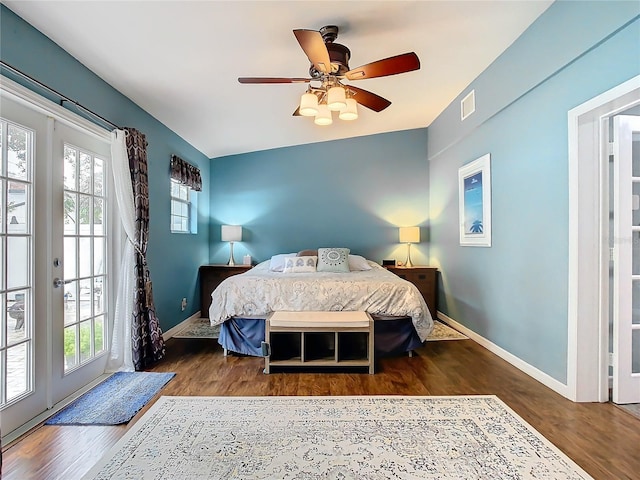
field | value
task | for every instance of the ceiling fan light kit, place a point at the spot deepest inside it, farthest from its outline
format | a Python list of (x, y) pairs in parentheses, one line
[(324, 116), (350, 112), (329, 66), (308, 105)]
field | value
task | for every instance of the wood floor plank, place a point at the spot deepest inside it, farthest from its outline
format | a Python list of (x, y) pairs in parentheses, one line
[(602, 438)]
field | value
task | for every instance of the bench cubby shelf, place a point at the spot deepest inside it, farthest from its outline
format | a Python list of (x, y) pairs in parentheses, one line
[(323, 339)]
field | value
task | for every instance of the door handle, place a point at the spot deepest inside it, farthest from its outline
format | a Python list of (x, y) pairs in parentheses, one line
[(58, 282)]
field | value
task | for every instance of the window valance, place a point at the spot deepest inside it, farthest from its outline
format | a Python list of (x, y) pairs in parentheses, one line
[(185, 173)]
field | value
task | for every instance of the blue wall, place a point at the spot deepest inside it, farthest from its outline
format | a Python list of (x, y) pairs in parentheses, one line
[(352, 193), (515, 293), (173, 258)]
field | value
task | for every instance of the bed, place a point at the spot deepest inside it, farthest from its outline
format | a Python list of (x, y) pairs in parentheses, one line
[(242, 302)]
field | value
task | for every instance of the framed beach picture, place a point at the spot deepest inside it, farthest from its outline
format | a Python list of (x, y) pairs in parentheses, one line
[(474, 190)]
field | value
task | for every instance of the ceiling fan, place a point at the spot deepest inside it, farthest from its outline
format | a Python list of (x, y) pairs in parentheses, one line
[(330, 67)]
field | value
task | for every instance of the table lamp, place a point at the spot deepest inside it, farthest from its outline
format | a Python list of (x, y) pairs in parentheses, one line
[(231, 233), (409, 235)]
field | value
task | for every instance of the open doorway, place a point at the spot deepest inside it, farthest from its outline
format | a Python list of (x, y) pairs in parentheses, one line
[(589, 241)]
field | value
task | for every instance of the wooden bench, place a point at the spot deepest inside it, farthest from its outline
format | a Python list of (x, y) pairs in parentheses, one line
[(319, 339)]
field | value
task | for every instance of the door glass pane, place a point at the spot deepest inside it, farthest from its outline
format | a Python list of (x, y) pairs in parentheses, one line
[(2, 202), (86, 334), (18, 207), (635, 253), (635, 302), (70, 258), (97, 216), (98, 344), (18, 303), (2, 262), (18, 261), (84, 215), (98, 176), (70, 302), (70, 213), (18, 152), (98, 255), (17, 375), (70, 349), (70, 161), (635, 149), (85, 296), (85, 180), (635, 204), (98, 298), (84, 256)]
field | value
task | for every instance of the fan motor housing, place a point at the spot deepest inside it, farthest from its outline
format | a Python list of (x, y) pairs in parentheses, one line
[(339, 56)]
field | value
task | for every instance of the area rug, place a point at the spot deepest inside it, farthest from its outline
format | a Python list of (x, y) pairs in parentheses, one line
[(114, 401), (201, 328), (442, 331), (366, 437)]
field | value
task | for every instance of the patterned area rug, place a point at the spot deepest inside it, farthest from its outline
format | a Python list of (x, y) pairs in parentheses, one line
[(377, 437), (200, 328), (114, 401)]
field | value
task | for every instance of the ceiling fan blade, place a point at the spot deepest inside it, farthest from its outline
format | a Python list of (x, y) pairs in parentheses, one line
[(272, 80), (315, 48), (406, 62), (368, 99)]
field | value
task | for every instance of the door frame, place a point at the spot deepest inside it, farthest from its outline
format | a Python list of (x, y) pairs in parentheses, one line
[(36, 102), (588, 302)]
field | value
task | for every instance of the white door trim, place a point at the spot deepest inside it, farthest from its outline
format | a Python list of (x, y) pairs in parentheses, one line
[(39, 103), (588, 334)]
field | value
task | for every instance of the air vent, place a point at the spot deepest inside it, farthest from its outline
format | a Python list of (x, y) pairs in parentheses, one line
[(468, 105)]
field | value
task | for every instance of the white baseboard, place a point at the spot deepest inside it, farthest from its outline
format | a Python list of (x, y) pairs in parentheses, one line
[(173, 330), (520, 364)]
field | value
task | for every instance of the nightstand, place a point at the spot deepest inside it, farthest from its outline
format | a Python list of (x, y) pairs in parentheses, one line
[(424, 278), (210, 277)]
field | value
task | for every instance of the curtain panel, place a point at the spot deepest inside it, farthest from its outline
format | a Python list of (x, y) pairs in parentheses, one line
[(185, 173), (120, 355), (146, 335)]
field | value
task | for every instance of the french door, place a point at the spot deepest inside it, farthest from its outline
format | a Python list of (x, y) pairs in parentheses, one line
[(55, 267), (626, 261)]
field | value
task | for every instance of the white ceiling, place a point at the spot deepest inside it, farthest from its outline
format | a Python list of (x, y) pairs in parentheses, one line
[(180, 60)]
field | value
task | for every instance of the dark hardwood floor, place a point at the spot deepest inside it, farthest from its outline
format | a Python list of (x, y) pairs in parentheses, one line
[(602, 438)]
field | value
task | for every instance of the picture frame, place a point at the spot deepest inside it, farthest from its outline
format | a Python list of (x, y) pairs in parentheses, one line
[(474, 196)]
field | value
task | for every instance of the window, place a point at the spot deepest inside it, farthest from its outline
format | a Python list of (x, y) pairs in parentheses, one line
[(180, 206)]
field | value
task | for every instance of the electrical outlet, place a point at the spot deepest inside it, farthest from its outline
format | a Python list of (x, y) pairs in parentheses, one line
[(611, 359), (184, 304)]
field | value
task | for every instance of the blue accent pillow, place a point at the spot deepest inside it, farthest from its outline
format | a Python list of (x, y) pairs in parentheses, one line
[(333, 260)]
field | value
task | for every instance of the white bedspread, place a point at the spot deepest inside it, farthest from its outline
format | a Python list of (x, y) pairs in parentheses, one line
[(259, 291)]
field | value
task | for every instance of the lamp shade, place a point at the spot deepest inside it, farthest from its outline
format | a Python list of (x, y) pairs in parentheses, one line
[(308, 105), (409, 234), (324, 115), (231, 233), (350, 112), (336, 98)]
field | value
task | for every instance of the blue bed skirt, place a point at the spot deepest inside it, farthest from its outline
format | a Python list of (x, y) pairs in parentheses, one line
[(392, 336)]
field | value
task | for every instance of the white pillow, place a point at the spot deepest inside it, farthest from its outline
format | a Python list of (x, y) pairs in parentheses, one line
[(358, 263), (300, 264), (277, 261)]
